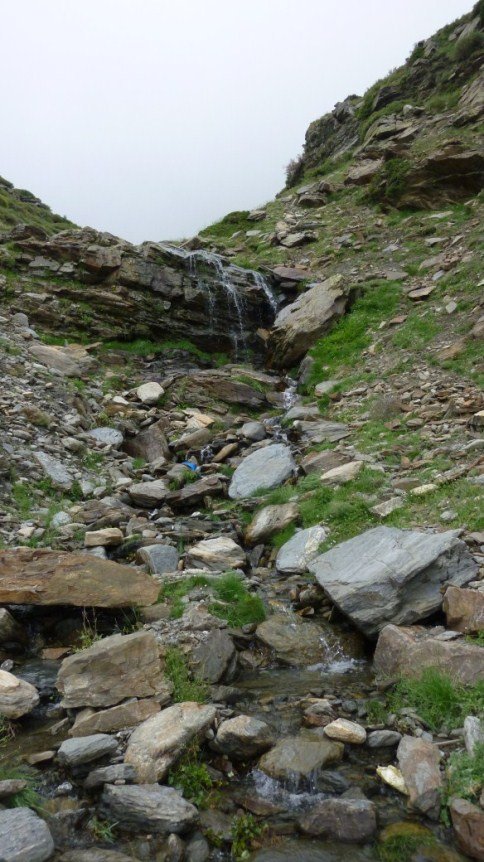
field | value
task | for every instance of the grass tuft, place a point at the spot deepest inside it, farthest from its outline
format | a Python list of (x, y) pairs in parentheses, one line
[(438, 700)]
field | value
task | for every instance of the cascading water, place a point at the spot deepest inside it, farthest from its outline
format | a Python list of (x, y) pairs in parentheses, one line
[(227, 277)]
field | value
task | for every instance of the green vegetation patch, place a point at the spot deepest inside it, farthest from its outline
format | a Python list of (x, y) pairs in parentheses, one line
[(438, 700), (465, 775), (231, 599), (185, 685), (191, 777), (227, 226)]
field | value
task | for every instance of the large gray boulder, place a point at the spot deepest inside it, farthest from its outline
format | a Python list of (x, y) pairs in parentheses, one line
[(24, 837), (299, 325), (386, 575), (84, 749), (265, 469), (148, 808)]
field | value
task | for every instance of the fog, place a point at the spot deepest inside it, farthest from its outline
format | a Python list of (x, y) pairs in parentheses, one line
[(152, 119)]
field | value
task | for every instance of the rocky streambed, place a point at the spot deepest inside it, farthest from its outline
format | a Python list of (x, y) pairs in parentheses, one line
[(174, 685)]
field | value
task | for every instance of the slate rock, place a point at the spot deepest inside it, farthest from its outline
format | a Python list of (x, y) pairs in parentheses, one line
[(84, 749), (148, 808), (24, 837), (265, 468), (295, 554)]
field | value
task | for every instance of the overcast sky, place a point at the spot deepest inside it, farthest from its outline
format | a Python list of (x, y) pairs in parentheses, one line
[(153, 118)]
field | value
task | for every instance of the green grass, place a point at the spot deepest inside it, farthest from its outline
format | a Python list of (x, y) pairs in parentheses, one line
[(228, 225), (341, 349), (22, 498), (28, 797), (438, 700), (185, 686), (102, 830), (279, 539), (416, 332), (231, 600), (191, 777), (245, 830), (465, 775), (402, 848), (144, 347)]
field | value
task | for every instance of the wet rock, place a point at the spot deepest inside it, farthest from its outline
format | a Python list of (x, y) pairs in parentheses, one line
[(215, 658), (149, 494), (297, 757), (295, 641), (407, 651), (348, 820), (464, 610), (419, 764), (296, 554), (17, 697), (84, 749), (148, 808), (217, 554), (157, 743), (112, 774), (10, 630), (391, 575), (243, 737), (393, 777), (346, 731), (468, 823), (270, 520), (42, 577), (300, 324), (266, 468), (160, 559), (113, 669), (24, 837), (127, 714), (383, 738)]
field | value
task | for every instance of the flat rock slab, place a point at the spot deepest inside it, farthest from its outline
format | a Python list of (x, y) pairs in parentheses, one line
[(407, 650), (96, 854), (112, 670), (148, 808), (296, 554), (127, 714), (36, 576), (295, 641), (84, 749), (148, 494), (24, 837), (215, 659), (160, 559), (265, 469), (386, 575), (297, 757), (157, 743)]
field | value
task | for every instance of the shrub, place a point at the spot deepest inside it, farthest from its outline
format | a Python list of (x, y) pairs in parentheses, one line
[(469, 45), (294, 171)]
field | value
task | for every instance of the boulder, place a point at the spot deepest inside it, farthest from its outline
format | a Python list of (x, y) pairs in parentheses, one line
[(270, 520), (113, 669), (254, 431), (160, 559), (346, 731), (127, 714), (150, 444), (106, 436), (297, 757), (84, 749), (468, 823), (149, 494), (296, 554), (157, 743), (299, 325), (148, 808), (464, 610), (264, 469), (103, 538), (115, 773), (217, 554), (419, 761), (317, 431), (17, 697), (24, 837), (55, 471), (215, 658), (195, 492), (473, 733), (243, 737), (341, 474), (386, 575), (37, 576), (321, 462), (408, 650), (295, 641), (149, 393), (70, 360), (348, 820)]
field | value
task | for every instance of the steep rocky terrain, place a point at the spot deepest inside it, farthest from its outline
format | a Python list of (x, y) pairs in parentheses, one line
[(241, 535)]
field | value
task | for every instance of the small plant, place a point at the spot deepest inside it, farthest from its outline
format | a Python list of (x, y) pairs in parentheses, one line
[(138, 463), (438, 700), (402, 848), (28, 797), (465, 776), (245, 830), (89, 634), (191, 777), (92, 460), (376, 711), (185, 686), (102, 830)]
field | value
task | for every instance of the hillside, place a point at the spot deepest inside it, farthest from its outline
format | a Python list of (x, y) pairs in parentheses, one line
[(241, 530)]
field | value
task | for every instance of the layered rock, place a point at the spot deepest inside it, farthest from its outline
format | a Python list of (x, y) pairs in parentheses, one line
[(265, 468), (148, 807), (409, 650)]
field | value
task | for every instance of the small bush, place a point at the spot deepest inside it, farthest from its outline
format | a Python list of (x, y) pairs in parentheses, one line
[(294, 171), (465, 775), (191, 777), (438, 700), (469, 45), (185, 687), (245, 829)]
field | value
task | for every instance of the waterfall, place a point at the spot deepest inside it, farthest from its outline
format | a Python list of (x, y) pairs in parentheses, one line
[(228, 277)]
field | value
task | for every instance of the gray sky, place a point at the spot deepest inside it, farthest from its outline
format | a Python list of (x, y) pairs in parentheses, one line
[(153, 118)]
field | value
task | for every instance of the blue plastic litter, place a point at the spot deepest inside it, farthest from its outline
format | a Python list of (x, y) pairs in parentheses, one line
[(191, 466)]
